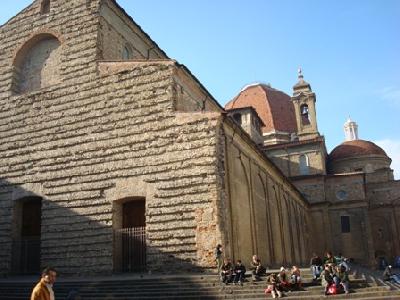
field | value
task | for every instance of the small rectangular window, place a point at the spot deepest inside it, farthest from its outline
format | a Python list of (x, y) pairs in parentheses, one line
[(345, 222), (45, 7)]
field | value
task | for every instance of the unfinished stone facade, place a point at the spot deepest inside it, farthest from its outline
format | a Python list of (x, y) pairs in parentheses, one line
[(94, 116)]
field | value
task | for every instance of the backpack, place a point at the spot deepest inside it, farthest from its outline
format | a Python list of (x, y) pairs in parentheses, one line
[(332, 290)]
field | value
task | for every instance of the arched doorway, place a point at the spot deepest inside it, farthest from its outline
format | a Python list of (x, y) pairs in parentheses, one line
[(26, 236), (130, 235)]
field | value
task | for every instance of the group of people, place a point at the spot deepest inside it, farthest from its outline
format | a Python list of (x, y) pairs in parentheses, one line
[(277, 283), (332, 270)]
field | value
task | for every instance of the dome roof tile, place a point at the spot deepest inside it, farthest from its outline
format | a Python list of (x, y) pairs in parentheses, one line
[(356, 148)]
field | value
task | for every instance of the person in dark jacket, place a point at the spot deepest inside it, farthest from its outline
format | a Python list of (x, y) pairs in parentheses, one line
[(226, 271), (257, 268), (239, 272), (329, 259), (316, 266)]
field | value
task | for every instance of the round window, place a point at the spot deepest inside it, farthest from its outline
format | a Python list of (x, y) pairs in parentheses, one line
[(341, 195)]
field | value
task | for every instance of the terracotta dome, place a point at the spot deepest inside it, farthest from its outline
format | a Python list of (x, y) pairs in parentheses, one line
[(274, 107), (356, 148)]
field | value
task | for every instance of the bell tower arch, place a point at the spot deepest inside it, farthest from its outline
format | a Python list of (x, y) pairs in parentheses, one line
[(304, 104)]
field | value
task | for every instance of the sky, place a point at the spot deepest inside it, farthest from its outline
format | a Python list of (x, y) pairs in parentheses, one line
[(349, 51)]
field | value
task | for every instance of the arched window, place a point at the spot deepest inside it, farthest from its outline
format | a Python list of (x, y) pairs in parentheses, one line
[(37, 64), (127, 53), (305, 115), (45, 7), (304, 165)]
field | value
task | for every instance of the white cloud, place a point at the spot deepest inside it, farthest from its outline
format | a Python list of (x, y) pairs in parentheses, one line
[(392, 149), (391, 94)]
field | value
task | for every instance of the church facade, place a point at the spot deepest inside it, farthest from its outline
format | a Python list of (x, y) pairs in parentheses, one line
[(117, 159)]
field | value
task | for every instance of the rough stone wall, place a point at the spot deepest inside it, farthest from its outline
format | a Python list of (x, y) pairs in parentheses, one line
[(71, 21), (382, 175), (288, 159), (341, 189), (117, 31), (113, 43), (384, 201), (367, 164), (312, 188), (75, 142), (266, 215), (356, 243), (387, 193), (191, 96)]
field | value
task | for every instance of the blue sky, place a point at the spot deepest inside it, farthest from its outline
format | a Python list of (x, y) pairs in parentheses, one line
[(349, 52)]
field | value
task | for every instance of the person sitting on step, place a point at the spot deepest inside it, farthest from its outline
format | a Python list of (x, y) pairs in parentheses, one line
[(295, 277), (239, 271), (257, 269), (226, 271), (273, 286), (316, 266), (326, 278), (329, 259), (344, 279), (283, 279), (335, 275)]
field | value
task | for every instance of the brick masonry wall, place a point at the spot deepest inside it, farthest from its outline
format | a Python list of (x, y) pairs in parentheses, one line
[(71, 144)]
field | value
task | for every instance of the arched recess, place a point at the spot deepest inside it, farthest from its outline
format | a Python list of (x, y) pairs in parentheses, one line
[(242, 240), (127, 52), (277, 236), (37, 63), (262, 218)]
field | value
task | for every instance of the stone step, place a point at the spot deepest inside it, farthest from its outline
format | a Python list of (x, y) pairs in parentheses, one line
[(158, 287), (376, 291), (189, 288)]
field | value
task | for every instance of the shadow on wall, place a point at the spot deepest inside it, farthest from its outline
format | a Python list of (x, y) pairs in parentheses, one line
[(294, 169), (78, 237)]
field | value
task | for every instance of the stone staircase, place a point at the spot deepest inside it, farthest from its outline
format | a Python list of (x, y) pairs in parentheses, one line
[(364, 285)]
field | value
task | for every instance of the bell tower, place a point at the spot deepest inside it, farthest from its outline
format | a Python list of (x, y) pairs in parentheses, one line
[(304, 104)]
